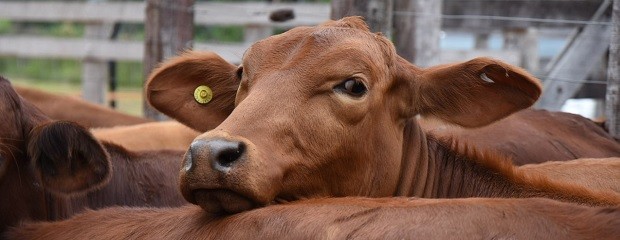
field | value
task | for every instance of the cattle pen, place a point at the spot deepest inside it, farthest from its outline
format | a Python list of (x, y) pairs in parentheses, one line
[(514, 31), (309, 119)]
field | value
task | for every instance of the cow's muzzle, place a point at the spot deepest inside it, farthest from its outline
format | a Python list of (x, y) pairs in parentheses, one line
[(217, 176), (221, 154)]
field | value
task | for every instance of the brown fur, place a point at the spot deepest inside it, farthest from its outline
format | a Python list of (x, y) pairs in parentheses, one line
[(76, 110), (43, 160), (220, 84), (345, 218), (170, 135), (518, 182), (533, 136), (581, 172), (56, 164), (295, 134)]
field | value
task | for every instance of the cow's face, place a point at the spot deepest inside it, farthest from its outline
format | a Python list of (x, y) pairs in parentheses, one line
[(37, 154), (319, 111)]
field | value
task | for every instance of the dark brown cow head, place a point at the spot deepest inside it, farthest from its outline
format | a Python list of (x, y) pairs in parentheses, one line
[(319, 111), (38, 155)]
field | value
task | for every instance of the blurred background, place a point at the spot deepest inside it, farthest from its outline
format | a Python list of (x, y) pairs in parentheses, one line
[(101, 50)]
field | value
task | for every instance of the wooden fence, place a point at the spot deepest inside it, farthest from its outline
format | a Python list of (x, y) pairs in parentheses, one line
[(254, 17)]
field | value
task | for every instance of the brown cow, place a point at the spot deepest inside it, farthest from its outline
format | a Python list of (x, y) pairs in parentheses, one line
[(601, 174), (533, 136), (76, 110), (329, 111), (41, 160), (345, 218), (149, 136)]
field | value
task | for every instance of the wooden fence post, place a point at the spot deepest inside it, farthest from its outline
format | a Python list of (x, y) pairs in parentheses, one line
[(417, 30), (169, 29), (95, 73), (524, 40), (252, 34), (569, 72), (377, 13), (613, 76), (481, 41)]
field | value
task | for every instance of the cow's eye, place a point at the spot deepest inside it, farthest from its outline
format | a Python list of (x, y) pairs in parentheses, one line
[(352, 87), (239, 72)]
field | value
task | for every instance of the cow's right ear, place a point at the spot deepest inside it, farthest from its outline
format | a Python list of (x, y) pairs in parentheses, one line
[(196, 88), (67, 158)]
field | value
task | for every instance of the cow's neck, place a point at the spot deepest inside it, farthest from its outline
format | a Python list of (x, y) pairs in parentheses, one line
[(432, 169)]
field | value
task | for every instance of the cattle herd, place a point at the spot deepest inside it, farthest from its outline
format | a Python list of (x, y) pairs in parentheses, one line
[(321, 132)]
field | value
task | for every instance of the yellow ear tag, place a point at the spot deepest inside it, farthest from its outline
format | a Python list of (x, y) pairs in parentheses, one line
[(203, 94)]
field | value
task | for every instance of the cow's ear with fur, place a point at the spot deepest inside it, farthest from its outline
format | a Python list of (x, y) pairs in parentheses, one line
[(171, 89), (67, 158), (473, 93), (3, 165)]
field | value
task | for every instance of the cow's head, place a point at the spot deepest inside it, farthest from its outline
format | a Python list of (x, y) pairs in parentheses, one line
[(318, 111), (38, 154)]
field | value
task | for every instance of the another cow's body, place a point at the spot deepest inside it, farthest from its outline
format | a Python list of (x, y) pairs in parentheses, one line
[(329, 111), (149, 136), (76, 110), (601, 174), (533, 136), (42, 161), (346, 218), (139, 178)]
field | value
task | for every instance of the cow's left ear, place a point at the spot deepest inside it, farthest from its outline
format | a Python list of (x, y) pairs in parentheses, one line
[(473, 93), (196, 88), (67, 158), (3, 164)]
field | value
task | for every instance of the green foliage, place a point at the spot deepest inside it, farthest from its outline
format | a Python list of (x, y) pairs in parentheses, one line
[(66, 29), (41, 69), (62, 29), (218, 33), (129, 74), (131, 31), (5, 26)]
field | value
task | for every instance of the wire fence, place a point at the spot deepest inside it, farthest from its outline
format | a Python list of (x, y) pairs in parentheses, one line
[(503, 18), (542, 22)]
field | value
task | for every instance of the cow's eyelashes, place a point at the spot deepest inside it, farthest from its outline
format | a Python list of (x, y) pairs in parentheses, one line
[(239, 72), (352, 86)]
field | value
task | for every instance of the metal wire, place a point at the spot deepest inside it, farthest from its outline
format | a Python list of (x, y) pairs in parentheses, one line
[(503, 18)]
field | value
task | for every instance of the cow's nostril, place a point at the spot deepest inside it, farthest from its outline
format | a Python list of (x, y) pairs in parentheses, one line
[(230, 154), (224, 153), (219, 153)]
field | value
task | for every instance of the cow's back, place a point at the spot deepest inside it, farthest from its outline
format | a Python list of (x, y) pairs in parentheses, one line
[(534, 136), (601, 174), (345, 218), (149, 136), (76, 110)]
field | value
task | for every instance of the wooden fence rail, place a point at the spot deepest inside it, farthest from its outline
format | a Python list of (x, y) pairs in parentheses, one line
[(256, 13), (471, 16), (101, 49)]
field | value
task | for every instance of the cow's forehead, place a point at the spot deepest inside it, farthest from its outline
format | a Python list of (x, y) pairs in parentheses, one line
[(308, 47)]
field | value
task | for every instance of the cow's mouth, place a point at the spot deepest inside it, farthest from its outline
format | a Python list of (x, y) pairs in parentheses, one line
[(223, 201)]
